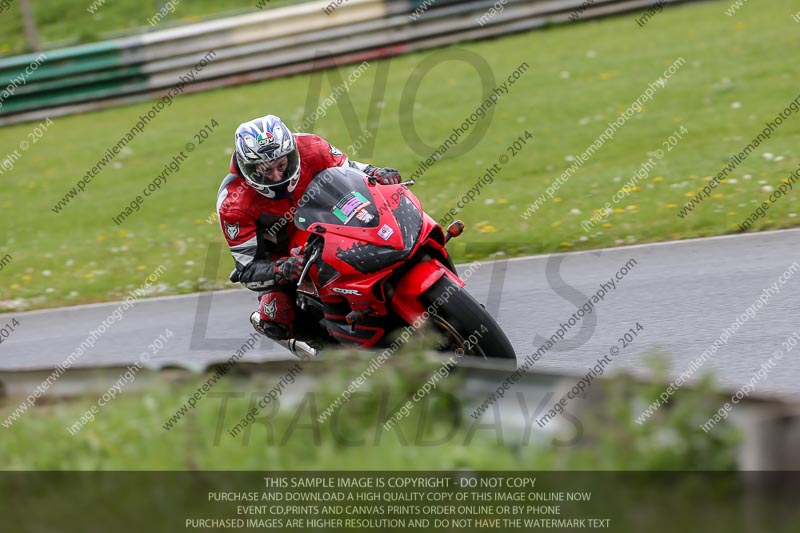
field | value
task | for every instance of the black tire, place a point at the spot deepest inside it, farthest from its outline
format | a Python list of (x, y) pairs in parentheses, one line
[(459, 316)]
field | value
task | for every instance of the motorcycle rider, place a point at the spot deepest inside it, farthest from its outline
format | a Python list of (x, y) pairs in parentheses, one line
[(270, 170)]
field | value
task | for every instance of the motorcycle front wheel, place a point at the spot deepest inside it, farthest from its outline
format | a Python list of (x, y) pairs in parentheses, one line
[(465, 324)]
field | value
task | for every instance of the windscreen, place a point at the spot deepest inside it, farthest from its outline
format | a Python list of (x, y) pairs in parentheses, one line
[(337, 196)]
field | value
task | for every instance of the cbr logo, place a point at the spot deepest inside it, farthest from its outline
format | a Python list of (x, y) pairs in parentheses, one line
[(232, 230), (346, 291)]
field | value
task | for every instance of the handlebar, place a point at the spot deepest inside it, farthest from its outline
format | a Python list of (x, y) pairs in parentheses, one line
[(374, 181)]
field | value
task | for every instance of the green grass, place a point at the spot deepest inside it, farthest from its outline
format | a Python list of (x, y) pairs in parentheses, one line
[(128, 434), (64, 22), (737, 76)]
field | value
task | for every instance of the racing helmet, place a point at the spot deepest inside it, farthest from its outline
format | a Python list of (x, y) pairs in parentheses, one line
[(259, 144)]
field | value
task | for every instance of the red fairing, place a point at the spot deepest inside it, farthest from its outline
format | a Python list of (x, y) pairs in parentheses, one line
[(387, 198), (405, 301), (363, 292)]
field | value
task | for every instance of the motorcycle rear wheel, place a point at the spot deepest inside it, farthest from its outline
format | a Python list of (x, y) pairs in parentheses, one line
[(459, 317)]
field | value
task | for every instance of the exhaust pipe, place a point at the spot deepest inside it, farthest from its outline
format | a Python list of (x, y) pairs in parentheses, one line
[(300, 349)]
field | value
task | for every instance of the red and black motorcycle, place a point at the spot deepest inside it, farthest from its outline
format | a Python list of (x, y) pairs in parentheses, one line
[(375, 263)]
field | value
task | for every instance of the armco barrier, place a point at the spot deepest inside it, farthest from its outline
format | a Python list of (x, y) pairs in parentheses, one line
[(262, 45)]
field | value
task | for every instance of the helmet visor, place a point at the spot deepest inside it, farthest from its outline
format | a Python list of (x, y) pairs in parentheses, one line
[(269, 174)]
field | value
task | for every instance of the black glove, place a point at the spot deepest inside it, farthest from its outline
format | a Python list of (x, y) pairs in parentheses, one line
[(385, 176), (288, 270)]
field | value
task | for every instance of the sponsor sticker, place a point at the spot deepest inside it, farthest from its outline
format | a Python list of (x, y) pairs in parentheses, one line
[(349, 206), (385, 232), (364, 216)]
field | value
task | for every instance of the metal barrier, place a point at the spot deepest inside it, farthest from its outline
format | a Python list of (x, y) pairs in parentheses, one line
[(263, 45)]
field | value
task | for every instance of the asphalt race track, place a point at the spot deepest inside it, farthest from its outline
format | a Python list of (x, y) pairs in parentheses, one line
[(682, 293)]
